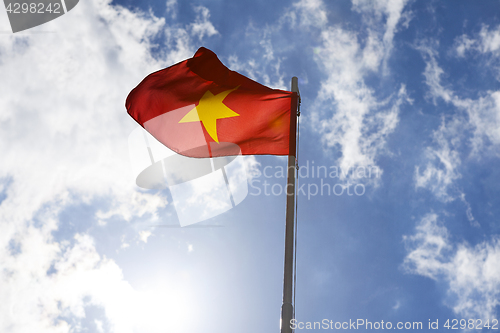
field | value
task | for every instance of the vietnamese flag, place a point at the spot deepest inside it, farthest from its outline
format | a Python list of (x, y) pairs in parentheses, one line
[(200, 108)]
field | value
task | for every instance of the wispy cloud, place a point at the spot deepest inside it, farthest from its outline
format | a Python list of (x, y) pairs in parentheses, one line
[(202, 25), (473, 131), (471, 273), (486, 41), (390, 11), (352, 116), (307, 14), (443, 162)]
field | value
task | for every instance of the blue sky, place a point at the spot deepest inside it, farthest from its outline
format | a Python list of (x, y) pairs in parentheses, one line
[(408, 88)]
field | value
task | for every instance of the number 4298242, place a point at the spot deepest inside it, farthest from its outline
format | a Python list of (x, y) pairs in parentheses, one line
[(477, 324), (33, 8)]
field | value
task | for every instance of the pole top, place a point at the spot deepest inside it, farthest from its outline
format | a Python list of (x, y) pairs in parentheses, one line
[(295, 84)]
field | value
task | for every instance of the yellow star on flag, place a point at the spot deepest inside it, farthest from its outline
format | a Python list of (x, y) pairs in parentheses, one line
[(209, 109)]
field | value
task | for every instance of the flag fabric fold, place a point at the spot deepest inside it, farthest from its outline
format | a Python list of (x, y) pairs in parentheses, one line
[(200, 108)]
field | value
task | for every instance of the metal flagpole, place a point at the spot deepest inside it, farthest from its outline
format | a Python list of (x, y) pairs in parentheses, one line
[(287, 311)]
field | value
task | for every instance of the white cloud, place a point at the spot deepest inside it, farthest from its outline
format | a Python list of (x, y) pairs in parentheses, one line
[(484, 118), (172, 8), (259, 70), (137, 205), (99, 326), (433, 74), (144, 235), (443, 162), (471, 273), (480, 117), (468, 212), (302, 15), (266, 68), (361, 122), (202, 24), (308, 13), (463, 44), (486, 41), (428, 248), (390, 10), (490, 40), (63, 140)]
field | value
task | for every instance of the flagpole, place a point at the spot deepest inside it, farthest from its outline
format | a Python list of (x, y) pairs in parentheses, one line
[(287, 311)]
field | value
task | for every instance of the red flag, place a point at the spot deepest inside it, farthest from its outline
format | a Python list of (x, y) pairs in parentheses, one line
[(200, 108)]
